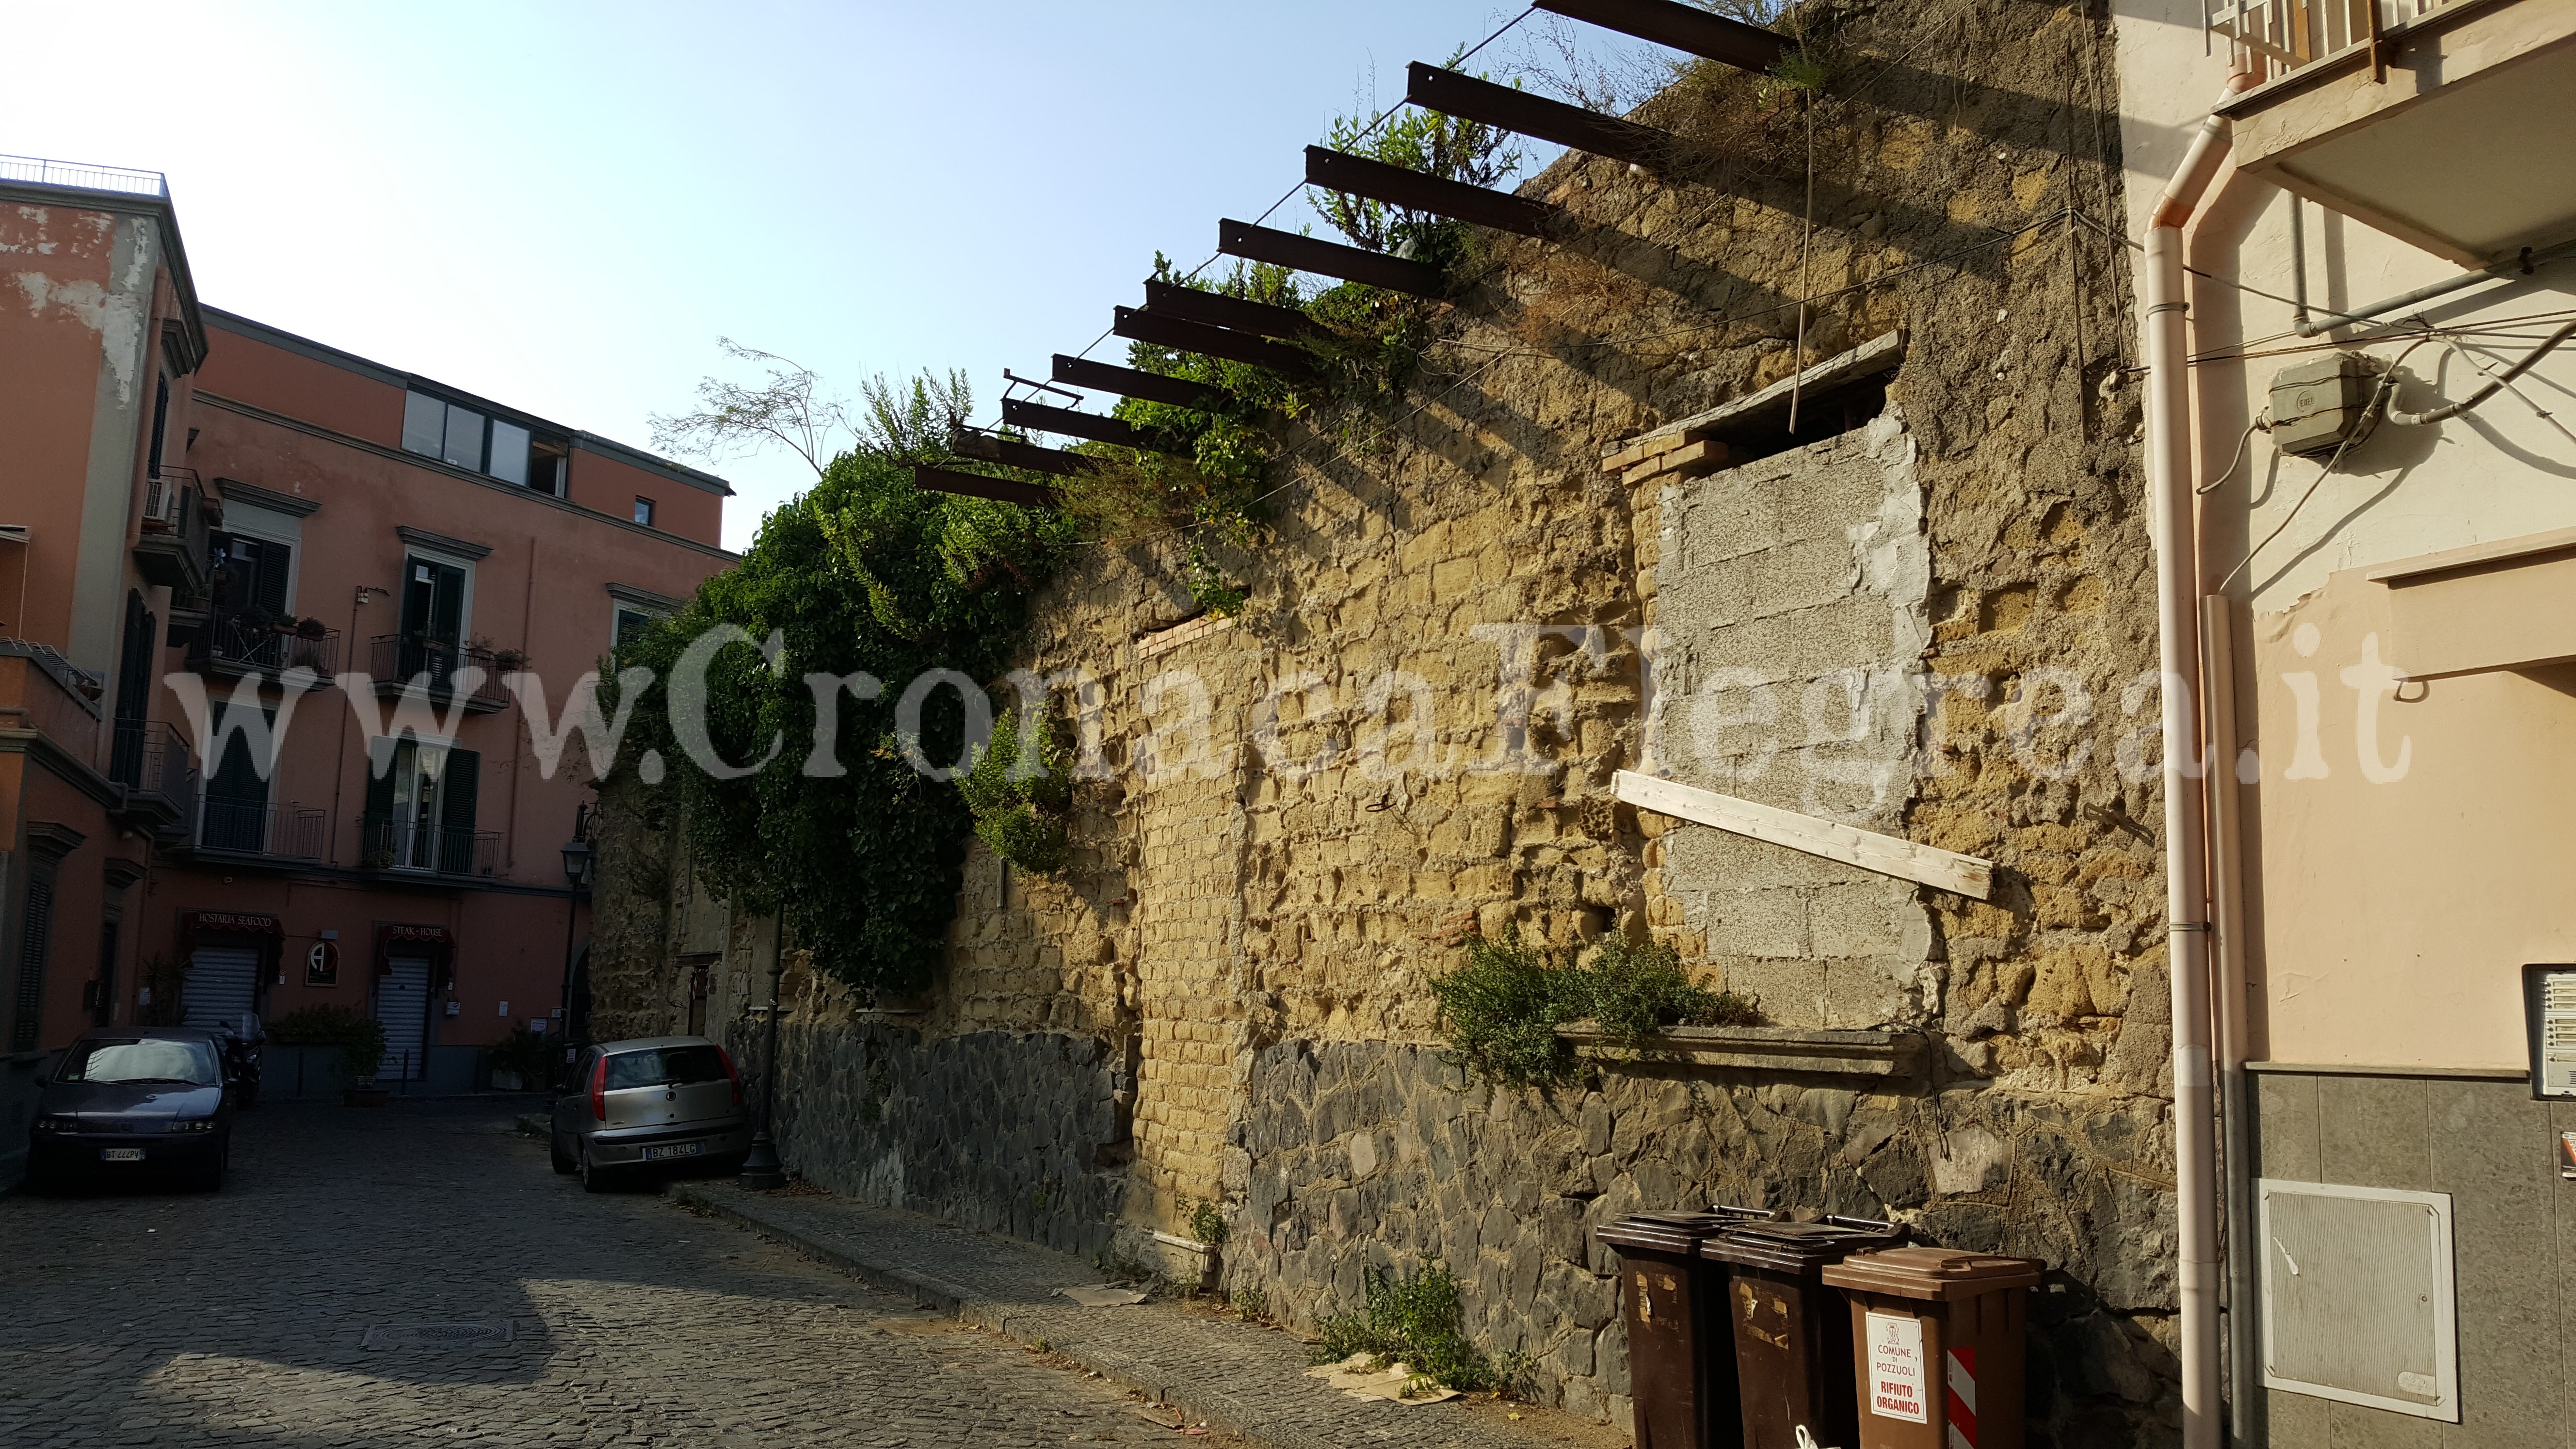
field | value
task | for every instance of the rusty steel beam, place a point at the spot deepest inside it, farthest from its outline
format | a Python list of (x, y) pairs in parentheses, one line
[(1012, 453), (976, 485), (1198, 337), (1394, 185), (1215, 309), (1683, 27), (1180, 392), (1453, 94), (1328, 259), (1047, 419)]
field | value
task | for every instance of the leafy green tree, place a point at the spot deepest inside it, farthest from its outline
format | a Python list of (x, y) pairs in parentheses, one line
[(866, 584)]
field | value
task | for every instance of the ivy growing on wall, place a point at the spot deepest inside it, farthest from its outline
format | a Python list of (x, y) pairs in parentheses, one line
[(867, 580)]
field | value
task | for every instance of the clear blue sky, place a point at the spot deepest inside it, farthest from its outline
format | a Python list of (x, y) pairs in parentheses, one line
[(561, 206)]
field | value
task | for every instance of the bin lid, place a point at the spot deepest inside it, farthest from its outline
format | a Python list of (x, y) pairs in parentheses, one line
[(1939, 1274), (1800, 1247), (1673, 1232)]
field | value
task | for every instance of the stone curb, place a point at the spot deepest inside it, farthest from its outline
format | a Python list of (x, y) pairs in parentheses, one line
[(1184, 1388)]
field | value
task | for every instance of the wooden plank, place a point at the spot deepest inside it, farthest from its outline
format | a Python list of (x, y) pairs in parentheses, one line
[(1879, 354), (1329, 259), (1690, 460), (976, 485), (1683, 27), (1012, 453), (1885, 854), (1198, 337), (1396, 186), (1451, 93), (1179, 392), (1216, 309), (1759, 1048)]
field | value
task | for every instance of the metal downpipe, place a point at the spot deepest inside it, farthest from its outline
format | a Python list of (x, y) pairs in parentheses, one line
[(2178, 588)]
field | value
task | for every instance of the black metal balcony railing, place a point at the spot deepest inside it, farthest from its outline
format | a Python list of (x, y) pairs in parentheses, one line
[(231, 643), (396, 661), (150, 759), (249, 827), (386, 844), (45, 172)]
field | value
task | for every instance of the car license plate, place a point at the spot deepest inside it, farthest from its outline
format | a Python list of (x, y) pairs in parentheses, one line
[(120, 1154), (676, 1149)]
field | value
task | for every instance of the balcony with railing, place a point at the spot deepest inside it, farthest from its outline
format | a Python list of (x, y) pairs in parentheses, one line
[(233, 643), (172, 548), (401, 846), (150, 758), (286, 833), (2441, 122), (397, 662)]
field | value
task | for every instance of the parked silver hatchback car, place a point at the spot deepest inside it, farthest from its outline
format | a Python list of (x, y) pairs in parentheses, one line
[(650, 1102)]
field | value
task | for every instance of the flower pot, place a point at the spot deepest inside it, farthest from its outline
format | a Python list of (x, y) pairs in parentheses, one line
[(505, 1080), (368, 1095)]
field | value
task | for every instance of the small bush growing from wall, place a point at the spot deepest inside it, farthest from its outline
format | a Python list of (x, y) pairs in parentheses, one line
[(1019, 788), (1502, 1009)]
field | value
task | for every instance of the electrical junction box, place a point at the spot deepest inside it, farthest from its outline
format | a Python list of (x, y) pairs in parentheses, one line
[(2549, 1029), (2318, 406), (2358, 1296)]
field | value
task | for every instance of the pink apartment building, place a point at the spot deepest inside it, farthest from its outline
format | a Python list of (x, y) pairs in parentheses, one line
[(191, 498)]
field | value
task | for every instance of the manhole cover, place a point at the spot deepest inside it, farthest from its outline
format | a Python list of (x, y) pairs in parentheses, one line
[(436, 1335)]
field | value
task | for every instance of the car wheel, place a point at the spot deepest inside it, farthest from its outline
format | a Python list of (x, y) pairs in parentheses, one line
[(594, 1178), (565, 1162), (212, 1180)]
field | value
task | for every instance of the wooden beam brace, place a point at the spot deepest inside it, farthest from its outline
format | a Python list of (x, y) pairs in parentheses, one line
[(1683, 27), (1396, 186), (1453, 94), (1328, 259), (1215, 309), (976, 485), (1012, 453), (1209, 341), (1886, 854), (1045, 419), (1180, 392)]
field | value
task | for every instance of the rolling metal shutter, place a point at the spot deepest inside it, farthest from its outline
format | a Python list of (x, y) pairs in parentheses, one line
[(222, 986)]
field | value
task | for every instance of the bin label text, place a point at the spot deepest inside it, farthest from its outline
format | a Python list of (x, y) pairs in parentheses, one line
[(1896, 1368)]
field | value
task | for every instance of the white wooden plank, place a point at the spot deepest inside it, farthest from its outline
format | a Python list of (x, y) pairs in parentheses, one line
[(1885, 854)]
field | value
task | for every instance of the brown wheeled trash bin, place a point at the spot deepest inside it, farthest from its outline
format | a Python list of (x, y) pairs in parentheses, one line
[(1937, 1344), (1792, 1344), (1680, 1375)]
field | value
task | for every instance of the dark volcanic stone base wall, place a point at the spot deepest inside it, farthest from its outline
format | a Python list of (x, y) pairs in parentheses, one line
[(1357, 1154), (993, 1130)]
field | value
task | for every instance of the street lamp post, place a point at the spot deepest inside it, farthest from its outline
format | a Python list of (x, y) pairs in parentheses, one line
[(576, 865), (761, 1169)]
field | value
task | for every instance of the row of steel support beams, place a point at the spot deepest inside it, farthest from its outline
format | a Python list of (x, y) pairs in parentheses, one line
[(1216, 309), (1042, 418), (1181, 335), (1012, 453)]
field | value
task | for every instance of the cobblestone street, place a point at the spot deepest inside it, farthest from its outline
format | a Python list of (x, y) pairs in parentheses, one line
[(149, 1317)]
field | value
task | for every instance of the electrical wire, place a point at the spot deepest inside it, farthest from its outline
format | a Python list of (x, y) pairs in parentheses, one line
[(2387, 379), (2215, 484)]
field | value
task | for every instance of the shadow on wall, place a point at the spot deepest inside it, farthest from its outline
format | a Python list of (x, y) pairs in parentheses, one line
[(1359, 1154), (999, 1131)]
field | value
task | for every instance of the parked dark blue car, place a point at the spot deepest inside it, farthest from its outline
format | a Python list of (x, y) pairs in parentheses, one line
[(135, 1104)]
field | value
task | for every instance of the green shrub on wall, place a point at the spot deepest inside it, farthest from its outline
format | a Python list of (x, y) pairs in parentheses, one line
[(1501, 1010), (1019, 790)]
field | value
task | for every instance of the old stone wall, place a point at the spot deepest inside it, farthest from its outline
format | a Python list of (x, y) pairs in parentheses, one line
[(1926, 613)]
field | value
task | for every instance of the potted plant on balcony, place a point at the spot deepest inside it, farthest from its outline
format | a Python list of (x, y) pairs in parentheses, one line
[(509, 661)]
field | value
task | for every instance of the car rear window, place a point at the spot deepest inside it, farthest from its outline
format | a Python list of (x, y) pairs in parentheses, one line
[(655, 1066), (172, 1062)]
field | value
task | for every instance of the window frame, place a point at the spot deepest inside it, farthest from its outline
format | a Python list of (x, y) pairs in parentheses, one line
[(645, 508)]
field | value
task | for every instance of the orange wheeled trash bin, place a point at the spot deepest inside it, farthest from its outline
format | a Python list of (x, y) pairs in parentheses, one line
[(1937, 1346)]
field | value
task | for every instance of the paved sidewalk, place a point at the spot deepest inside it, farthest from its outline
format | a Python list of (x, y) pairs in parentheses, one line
[(1227, 1373)]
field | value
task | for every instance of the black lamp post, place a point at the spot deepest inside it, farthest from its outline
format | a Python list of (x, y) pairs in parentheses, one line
[(576, 864), (761, 1169)]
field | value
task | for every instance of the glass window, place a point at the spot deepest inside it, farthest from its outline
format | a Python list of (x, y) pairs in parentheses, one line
[(644, 511), (187, 1062), (424, 423), (509, 453), (464, 438), (658, 1066)]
